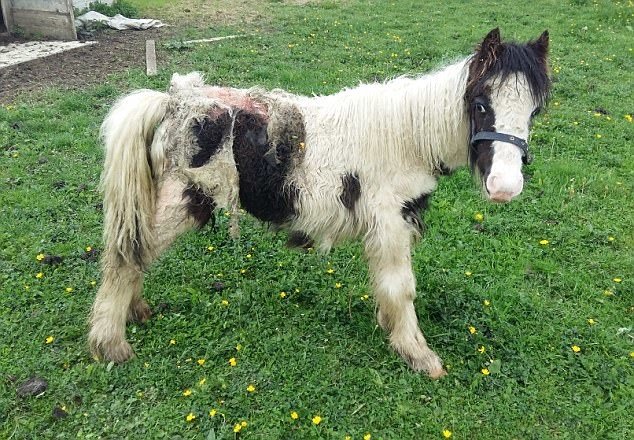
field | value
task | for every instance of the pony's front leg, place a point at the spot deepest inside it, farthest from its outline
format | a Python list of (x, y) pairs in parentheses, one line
[(388, 253)]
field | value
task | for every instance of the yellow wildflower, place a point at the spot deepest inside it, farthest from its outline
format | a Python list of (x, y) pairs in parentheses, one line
[(187, 392), (249, 256), (591, 321), (478, 216), (610, 238), (576, 348), (190, 417), (210, 248), (330, 270), (69, 289), (93, 283), (172, 341), (608, 293), (544, 242), (628, 118), (49, 339), (88, 248), (447, 433), (472, 330), (632, 354), (251, 388), (367, 436), (482, 349), (202, 381), (338, 285), (40, 257), (224, 302), (365, 297), (485, 371), (486, 302), (294, 415), (212, 412), (316, 420), (243, 423), (238, 347), (237, 428), (201, 362), (617, 280), (282, 295), (233, 362), (243, 271), (39, 275), (468, 273)]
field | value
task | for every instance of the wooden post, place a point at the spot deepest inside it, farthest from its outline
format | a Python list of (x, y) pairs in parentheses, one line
[(150, 57)]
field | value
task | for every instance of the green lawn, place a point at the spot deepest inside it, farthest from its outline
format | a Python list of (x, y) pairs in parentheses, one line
[(549, 272)]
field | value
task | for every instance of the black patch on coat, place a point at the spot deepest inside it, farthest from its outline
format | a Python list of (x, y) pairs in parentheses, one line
[(481, 153), (209, 135), (200, 206), (442, 170), (298, 239), (263, 170), (412, 211), (351, 190)]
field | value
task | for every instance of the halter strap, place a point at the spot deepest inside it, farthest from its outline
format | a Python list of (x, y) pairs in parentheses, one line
[(527, 158)]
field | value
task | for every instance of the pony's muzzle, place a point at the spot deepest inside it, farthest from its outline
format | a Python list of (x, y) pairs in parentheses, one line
[(502, 189)]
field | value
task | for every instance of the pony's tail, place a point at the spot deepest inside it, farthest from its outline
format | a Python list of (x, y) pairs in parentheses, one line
[(129, 176)]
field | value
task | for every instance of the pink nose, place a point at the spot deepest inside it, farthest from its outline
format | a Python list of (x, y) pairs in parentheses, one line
[(501, 197)]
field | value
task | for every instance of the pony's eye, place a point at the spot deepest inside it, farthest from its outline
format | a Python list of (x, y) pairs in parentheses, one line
[(480, 108)]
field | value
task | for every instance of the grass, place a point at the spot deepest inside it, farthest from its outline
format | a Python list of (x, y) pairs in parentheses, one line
[(317, 351)]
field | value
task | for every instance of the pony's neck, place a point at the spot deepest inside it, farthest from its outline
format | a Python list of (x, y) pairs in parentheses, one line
[(419, 120)]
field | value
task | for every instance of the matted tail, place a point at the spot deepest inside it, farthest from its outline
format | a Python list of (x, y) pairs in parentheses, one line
[(127, 182)]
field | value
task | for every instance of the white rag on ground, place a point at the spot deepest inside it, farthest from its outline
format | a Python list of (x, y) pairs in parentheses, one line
[(118, 22)]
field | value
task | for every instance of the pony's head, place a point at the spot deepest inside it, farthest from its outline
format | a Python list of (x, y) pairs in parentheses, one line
[(508, 85)]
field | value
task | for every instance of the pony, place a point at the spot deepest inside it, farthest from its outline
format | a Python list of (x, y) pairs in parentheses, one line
[(361, 163)]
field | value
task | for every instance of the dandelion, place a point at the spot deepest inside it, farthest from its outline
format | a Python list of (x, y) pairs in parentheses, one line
[(237, 428), (482, 349), (316, 420), (576, 348), (213, 412), (233, 362), (544, 242), (294, 415), (200, 362), (472, 330), (282, 295), (40, 257), (367, 436), (338, 285), (447, 433), (251, 388), (486, 303), (190, 417), (485, 371), (591, 321), (49, 339), (39, 275), (187, 392), (69, 289), (617, 280), (478, 216), (172, 341)]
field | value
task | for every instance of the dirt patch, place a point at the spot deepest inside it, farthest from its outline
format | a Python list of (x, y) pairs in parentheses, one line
[(77, 68)]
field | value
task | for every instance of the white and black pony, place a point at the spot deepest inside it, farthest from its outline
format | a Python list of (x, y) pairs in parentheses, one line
[(359, 163)]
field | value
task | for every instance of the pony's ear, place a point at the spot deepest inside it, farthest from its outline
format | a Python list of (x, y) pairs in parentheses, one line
[(540, 46), (490, 45)]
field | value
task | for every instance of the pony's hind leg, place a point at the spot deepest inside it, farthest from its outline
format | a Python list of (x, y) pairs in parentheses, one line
[(179, 208), (388, 252)]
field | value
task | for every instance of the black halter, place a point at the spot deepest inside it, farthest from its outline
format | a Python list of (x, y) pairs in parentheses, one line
[(527, 158)]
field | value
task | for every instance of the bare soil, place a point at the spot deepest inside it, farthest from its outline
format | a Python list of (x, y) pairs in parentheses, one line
[(77, 68)]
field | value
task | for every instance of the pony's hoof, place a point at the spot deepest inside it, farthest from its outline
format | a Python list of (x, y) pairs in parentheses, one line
[(420, 357), (117, 352), (139, 311)]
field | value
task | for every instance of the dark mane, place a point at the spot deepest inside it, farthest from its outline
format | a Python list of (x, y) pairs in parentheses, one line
[(508, 59)]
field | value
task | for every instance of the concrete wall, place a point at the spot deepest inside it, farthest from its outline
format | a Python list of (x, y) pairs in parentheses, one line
[(40, 18)]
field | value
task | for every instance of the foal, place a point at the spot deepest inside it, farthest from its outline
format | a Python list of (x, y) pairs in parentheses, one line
[(360, 163)]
